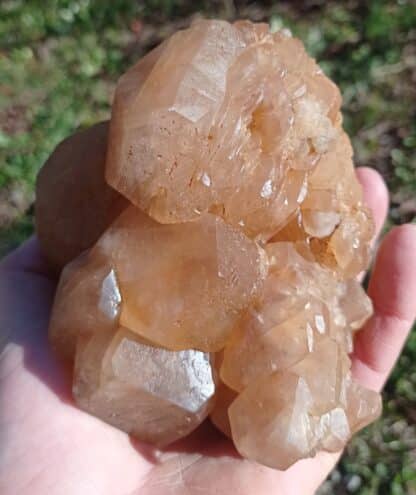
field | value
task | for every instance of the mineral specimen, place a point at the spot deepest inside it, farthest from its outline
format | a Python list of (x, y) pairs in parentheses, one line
[(289, 415), (302, 304), (155, 394), (74, 204), (218, 277), (181, 286), (244, 116)]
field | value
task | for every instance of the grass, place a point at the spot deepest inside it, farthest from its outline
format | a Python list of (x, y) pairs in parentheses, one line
[(60, 59)]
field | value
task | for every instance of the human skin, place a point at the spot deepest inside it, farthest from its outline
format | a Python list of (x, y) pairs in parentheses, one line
[(49, 446)]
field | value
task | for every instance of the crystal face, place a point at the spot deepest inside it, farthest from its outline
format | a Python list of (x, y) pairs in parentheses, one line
[(74, 204), (155, 394), (302, 304), (211, 244), (245, 115)]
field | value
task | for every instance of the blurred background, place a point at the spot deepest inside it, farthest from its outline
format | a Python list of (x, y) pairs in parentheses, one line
[(60, 60)]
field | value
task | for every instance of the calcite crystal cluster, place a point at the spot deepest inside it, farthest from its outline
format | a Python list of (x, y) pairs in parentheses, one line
[(211, 239)]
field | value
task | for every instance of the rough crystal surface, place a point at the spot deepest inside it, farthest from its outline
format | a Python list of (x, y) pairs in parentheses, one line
[(155, 394), (302, 304), (245, 115), (294, 413), (223, 230)]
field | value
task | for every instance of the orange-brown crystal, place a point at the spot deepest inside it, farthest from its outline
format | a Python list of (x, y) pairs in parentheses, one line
[(74, 204), (155, 394), (223, 230)]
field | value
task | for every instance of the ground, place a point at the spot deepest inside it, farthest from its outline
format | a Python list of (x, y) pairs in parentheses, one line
[(60, 59)]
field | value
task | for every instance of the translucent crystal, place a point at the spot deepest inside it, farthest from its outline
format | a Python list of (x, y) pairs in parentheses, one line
[(219, 275), (183, 285), (245, 115), (224, 397), (311, 406), (155, 394), (180, 286), (302, 303), (87, 301)]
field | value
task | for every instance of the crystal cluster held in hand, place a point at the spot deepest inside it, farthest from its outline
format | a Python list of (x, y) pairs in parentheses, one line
[(210, 238)]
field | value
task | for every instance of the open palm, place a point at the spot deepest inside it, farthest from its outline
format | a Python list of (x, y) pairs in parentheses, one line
[(48, 446)]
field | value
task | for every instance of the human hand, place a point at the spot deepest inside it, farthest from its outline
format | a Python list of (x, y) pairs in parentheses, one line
[(49, 446)]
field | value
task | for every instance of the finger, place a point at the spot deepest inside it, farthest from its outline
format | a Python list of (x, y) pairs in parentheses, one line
[(375, 194), (393, 292), (26, 295), (27, 258), (26, 291), (376, 198)]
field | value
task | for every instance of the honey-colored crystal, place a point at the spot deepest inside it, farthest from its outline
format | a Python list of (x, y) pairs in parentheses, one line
[(183, 285), (74, 204), (180, 286), (87, 301), (292, 414), (155, 394), (219, 275), (224, 397), (244, 116), (302, 304)]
